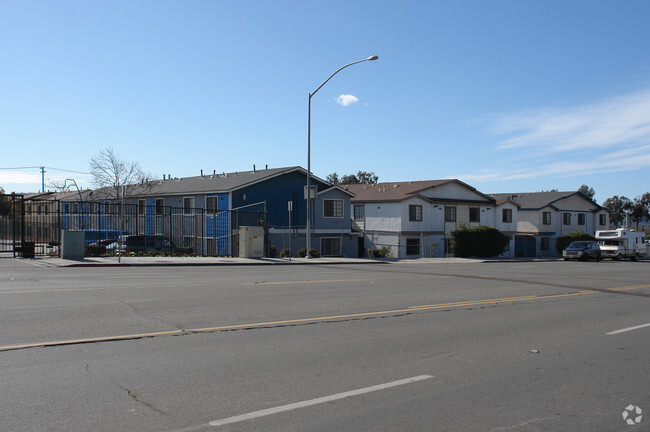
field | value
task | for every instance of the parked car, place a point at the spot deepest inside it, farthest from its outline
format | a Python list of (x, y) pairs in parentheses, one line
[(153, 244), (582, 250), (102, 247)]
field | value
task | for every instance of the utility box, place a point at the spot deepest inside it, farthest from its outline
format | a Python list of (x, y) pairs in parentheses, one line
[(73, 244), (251, 242)]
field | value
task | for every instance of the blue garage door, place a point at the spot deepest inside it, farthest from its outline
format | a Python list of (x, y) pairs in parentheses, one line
[(525, 246)]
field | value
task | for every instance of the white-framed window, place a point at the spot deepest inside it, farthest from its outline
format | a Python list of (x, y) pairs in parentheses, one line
[(211, 205), (566, 218), (546, 218), (507, 216), (412, 246), (333, 208), (474, 214), (581, 219), (160, 206), (188, 205), (359, 212), (415, 213), (602, 219), (330, 246), (142, 205), (450, 214)]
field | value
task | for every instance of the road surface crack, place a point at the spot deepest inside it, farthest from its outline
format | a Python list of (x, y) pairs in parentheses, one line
[(128, 391)]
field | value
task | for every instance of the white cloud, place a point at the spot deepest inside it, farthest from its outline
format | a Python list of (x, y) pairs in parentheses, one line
[(347, 100), (606, 137), (610, 123)]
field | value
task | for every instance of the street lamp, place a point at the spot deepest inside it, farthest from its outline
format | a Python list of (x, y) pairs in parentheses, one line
[(308, 227)]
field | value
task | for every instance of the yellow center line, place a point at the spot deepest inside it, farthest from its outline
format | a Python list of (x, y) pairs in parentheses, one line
[(329, 281), (410, 309)]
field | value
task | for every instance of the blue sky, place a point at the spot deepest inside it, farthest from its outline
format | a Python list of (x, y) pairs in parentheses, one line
[(508, 96)]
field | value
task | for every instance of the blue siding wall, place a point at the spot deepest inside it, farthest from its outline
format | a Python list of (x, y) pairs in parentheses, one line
[(278, 192), (217, 225)]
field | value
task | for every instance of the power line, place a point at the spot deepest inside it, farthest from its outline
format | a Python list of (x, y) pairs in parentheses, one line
[(48, 167)]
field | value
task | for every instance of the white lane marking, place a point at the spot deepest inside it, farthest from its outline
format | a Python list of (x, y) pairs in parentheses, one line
[(321, 400), (628, 329)]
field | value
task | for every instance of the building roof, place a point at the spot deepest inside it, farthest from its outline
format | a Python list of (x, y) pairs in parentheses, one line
[(399, 191), (210, 183), (215, 183), (539, 200)]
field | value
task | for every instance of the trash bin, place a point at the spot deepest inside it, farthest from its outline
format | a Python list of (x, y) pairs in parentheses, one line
[(28, 249)]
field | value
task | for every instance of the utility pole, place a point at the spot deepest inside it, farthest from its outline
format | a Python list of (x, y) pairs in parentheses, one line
[(43, 179)]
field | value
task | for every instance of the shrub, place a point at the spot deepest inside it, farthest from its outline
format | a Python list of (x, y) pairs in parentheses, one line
[(285, 253), (303, 253), (479, 242), (564, 241), (382, 252), (273, 251)]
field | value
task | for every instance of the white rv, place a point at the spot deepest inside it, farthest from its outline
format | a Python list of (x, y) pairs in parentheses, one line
[(621, 243)]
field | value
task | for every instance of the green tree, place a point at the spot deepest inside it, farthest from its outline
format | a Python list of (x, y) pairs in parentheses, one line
[(564, 241), (5, 204), (619, 208), (640, 209), (481, 241), (333, 178), (587, 191), (361, 177)]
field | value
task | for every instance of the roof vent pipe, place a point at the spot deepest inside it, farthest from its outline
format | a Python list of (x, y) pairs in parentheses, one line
[(201, 173), (163, 176), (253, 167)]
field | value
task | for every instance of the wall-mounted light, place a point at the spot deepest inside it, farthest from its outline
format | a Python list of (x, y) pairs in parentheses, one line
[(243, 197)]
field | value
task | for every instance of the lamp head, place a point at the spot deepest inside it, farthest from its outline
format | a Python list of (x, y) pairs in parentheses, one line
[(372, 57)]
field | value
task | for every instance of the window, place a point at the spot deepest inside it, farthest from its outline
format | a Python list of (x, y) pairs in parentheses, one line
[(544, 243), (188, 205), (211, 204), (413, 246), (602, 219), (507, 216), (160, 203), (359, 212), (330, 246), (581, 218), (142, 205), (333, 208), (474, 214), (566, 218), (450, 214), (415, 213), (546, 218)]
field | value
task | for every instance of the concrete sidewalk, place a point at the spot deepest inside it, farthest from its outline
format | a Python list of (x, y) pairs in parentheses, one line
[(189, 261), (232, 261)]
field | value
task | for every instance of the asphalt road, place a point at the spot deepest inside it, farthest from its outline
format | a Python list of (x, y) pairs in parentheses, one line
[(553, 346)]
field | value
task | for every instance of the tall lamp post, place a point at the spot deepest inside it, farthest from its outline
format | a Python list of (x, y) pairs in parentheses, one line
[(308, 227)]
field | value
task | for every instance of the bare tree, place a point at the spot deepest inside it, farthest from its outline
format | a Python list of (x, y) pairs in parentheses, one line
[(111, 172)]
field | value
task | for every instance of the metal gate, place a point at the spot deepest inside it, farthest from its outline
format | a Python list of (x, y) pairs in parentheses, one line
[(27, 227)]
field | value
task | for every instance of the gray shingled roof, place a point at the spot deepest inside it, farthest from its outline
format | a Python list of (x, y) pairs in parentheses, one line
[(536, 200), (217, 183), (221, 182)]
